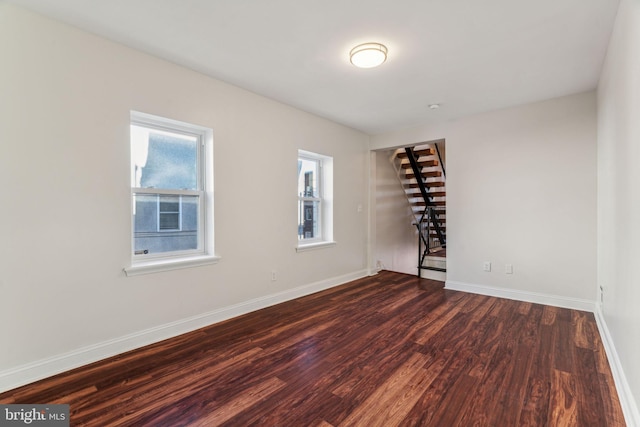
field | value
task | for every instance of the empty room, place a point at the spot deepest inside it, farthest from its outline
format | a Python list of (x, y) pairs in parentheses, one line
[(302, 213)]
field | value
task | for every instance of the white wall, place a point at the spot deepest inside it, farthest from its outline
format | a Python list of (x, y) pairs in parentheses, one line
[(521, 189), (65, 98), (619, 196), (396, 238)]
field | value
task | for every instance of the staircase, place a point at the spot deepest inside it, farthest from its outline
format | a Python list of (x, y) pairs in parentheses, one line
[(422, 174)]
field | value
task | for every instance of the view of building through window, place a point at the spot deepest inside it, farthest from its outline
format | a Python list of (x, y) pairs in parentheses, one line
[(166, 189), (309, 199)]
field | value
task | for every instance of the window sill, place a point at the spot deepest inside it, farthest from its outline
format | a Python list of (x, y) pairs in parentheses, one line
[(157, 266), (313, 246)]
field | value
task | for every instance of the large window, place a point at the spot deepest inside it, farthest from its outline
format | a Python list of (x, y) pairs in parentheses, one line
[(315, 190), (171, 164)]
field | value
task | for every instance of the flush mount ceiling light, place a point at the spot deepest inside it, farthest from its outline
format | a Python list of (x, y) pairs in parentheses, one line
[(368, 55)]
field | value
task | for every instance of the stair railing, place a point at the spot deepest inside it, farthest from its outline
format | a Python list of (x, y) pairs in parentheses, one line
[(444, 173), (425, 228), (427, 200)]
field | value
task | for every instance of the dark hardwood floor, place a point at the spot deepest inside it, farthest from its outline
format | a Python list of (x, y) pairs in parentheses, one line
[(385, 350)]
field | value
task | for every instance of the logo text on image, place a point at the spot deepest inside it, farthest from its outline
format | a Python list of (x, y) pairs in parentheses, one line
[(37, 415)]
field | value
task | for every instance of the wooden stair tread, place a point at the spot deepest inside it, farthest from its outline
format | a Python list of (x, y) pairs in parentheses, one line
[(430, 193), (423, 152), (426, 174), (423, 203), (423, 163), (434, 184)]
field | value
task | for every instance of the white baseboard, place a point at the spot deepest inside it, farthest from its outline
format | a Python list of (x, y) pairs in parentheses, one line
[(628, 403), (28, 373), (534, 297)]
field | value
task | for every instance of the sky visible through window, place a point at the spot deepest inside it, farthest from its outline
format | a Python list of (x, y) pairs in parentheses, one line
[(163, 160)]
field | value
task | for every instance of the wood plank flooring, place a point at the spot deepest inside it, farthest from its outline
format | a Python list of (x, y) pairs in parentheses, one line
[(387, 350)]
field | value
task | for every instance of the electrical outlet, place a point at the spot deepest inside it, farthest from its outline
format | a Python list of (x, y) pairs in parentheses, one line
[(487, 266), (508, 268), (274, 275)]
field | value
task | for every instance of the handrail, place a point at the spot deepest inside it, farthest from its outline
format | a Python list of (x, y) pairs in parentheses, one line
[(444, 173), (425, 195), (425, 230)]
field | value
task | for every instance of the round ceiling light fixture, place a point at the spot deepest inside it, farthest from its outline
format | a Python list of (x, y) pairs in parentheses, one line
[(368, 55)]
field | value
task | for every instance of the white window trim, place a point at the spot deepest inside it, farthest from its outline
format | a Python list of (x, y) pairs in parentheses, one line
[(182, 259), (159, 265), (325, 177), (313, 246)]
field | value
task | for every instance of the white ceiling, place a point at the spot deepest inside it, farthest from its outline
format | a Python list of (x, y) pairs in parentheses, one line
[(468, 55)]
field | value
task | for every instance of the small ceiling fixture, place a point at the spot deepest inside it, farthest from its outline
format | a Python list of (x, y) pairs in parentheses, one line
[(434, 106), (368, 55)]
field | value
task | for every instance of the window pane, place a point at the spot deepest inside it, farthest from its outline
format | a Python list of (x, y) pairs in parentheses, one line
[(165, 223), (308, 223), (308, 178), (169, 215), (163, 159), (170, 204), (169, 221)]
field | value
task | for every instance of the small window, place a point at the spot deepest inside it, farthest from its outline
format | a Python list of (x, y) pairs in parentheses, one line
[(169, 208), (170, 189), (315, 190)]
